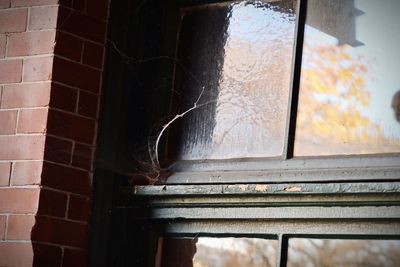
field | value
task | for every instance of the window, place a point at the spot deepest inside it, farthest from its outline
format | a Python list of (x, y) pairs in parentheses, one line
[(287, 130)]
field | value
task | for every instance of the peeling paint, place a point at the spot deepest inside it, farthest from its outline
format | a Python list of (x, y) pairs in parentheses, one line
[(292, 189), (244, 187), (261, 187)]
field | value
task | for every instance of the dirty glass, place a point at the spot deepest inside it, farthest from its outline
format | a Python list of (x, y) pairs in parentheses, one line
[(233, 74), (220, 252), (246, 252), (349, 99), (346, 253)]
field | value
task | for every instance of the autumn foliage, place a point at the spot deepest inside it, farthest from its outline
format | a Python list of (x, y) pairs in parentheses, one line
[(333, 102)]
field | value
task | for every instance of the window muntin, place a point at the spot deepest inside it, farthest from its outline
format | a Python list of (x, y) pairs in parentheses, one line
[(300, 167), (347, 102), (349, 77), (380, 221), (301, 252)]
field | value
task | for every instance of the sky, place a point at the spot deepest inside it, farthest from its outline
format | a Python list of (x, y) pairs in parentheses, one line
[(379, 29)]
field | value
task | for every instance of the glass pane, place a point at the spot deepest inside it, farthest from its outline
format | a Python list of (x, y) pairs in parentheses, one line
[(344, 253), (219, 252), (349, 100), (235, 58)]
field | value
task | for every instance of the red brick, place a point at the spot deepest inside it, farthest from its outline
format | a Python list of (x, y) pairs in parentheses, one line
[(20, 227), (5, 169), (19, 200), (74, 258), (16, 254), (93, 54), (77, 75), (63, 97), (43, 18), (46, 255), (59, 231), (2, 227), (38, 69), (21, 147), (98, 8), (8, 120), (3, 40), (68, 46), (81, 25), (88, 104), (29, 3), (82, 156), (71, 126), (10, 70), (5, 3), (58, 150), (31, 43), (26, 173), (66, 178), (52, 203), (13, 20), (26, 95), (79, 208), (32, 120)]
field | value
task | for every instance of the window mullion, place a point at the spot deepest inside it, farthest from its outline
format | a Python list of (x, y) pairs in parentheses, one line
[(282, 251)]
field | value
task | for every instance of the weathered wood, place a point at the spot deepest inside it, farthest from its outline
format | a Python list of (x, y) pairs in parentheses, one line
[(384, 229), (246, 213), (322, 162), (265, 189)]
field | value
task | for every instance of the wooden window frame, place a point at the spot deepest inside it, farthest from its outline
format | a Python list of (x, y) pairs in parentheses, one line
[(317, 197)]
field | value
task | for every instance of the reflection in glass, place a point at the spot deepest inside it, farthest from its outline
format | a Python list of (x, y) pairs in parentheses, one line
[(349, 77), (237, 57), (219, 252), (240, 252), (344, 253)]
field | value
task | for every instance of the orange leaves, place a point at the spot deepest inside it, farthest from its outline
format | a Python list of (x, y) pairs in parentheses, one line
[(333, 98)]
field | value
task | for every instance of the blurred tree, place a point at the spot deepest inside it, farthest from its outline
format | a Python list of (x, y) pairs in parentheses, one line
[(344, 253), (332, 104)]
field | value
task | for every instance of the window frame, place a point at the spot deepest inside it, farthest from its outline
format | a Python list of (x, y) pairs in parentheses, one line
[(323, 196), (287, 168), (281, 198), (272, 211)]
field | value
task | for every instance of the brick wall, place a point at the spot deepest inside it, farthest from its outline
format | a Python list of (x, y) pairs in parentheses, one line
[(51, 60)]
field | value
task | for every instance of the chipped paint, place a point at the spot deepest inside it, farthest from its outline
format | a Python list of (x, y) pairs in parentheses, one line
[(270, 189), (244, 187), (292, 189), (261, 187)]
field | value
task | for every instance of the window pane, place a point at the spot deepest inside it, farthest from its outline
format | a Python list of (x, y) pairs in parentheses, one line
[(354, 253), (237, 58), (219, 252), (349, 100)]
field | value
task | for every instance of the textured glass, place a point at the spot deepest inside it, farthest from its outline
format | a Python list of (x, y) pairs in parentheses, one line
[(238, 252), (235, 58), (344, 253), (349, 100)]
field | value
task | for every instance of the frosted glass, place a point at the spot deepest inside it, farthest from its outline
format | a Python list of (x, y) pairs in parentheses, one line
[(237, 57)]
